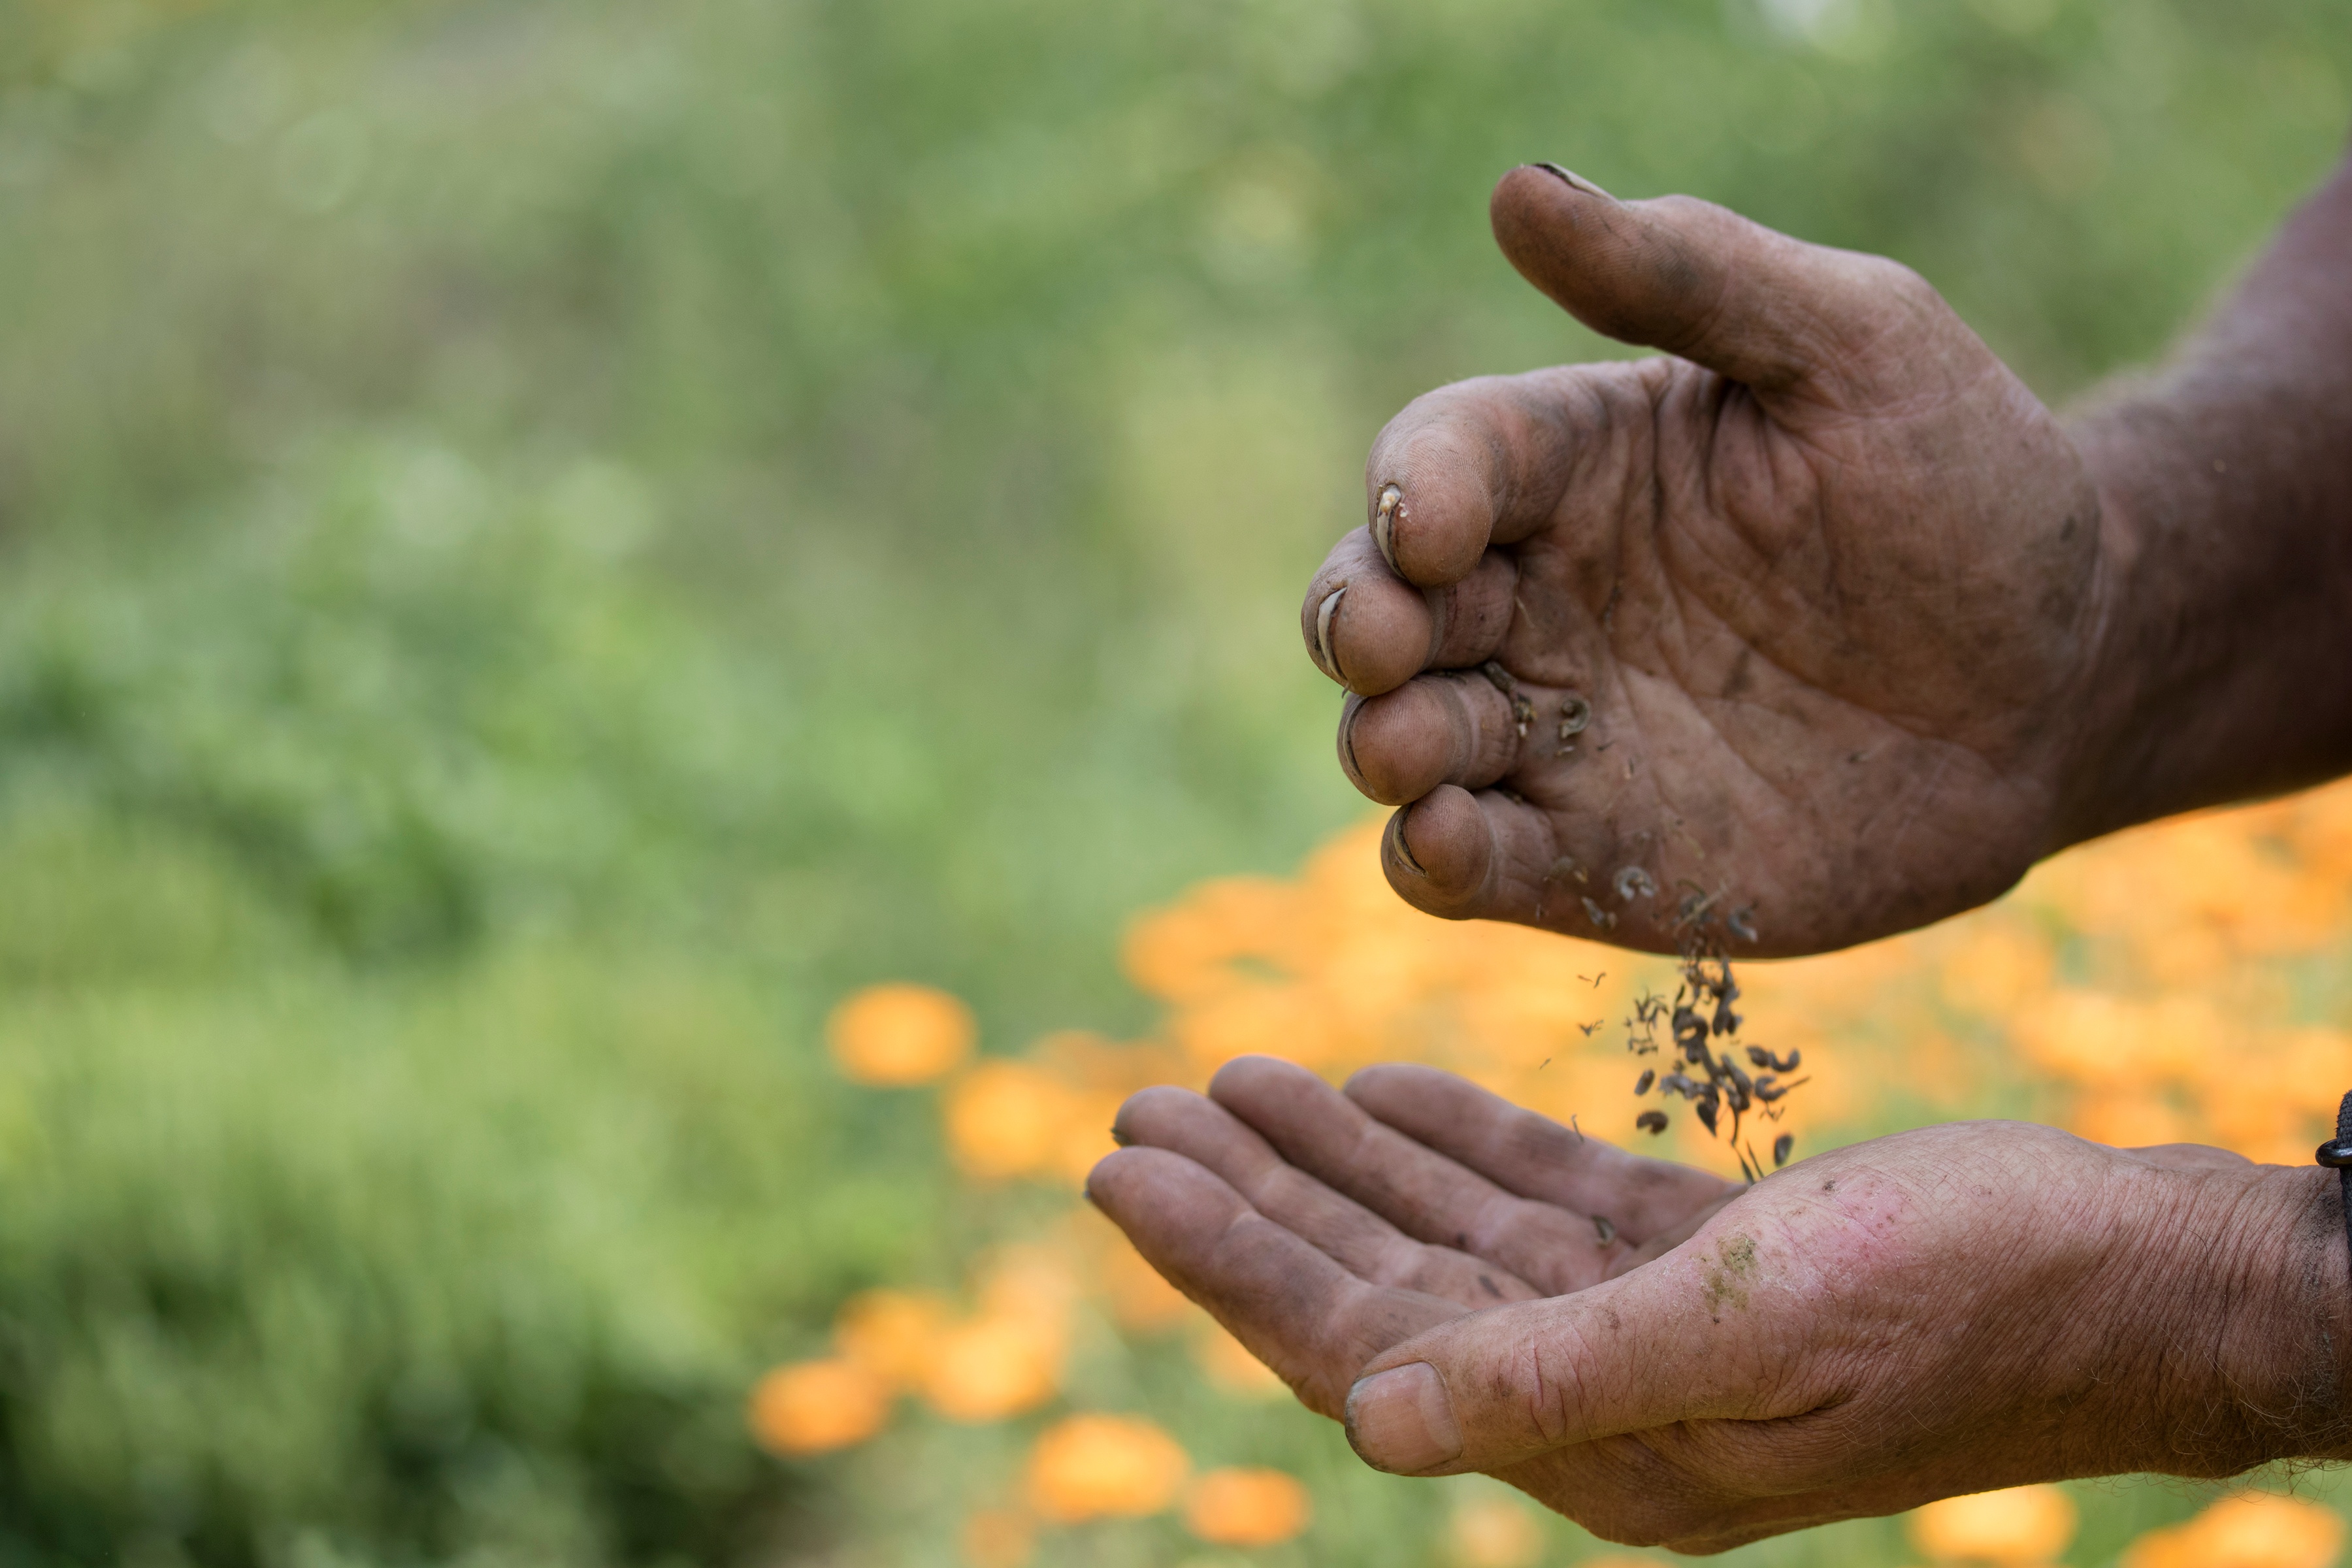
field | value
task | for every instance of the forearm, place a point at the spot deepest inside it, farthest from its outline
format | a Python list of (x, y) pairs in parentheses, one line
[(2223, 638)]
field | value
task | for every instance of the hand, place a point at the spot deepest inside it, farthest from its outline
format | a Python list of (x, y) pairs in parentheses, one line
[(1828, 583), (1948, 1311)]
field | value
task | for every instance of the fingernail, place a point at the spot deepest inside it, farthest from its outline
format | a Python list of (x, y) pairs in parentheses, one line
[(1323, 633), (1397, 843), (1401, 1421), (1348, 738), (1578, 181), (1118, 1135), (1384, 524)]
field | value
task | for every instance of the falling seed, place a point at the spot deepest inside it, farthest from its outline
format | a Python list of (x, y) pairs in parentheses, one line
[(1651, 1122), (1742, 924), (1632, 882), (1649, 1076), (1780, 1147)]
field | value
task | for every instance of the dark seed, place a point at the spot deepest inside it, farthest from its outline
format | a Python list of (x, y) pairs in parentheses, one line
[(1651, 1122), (1780, 1147), (1649, 1076)]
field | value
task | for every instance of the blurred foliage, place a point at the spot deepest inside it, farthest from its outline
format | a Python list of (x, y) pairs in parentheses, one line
[(537, 542)]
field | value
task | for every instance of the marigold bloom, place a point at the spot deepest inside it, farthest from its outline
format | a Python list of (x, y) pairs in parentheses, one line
[(812, 1407), (894, 1334), (2258, 1530), (2019, 1525), (897, 1035), (1230, 1367), (1241, 1506), (1493, 1532), (993, 1368), (1010, 1119), (1103, 1466)]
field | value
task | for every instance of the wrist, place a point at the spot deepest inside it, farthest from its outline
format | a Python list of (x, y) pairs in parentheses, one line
[(2254, 1362)]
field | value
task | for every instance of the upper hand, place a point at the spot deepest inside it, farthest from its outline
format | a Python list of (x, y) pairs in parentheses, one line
[(1828, 581), (1948, 1310)]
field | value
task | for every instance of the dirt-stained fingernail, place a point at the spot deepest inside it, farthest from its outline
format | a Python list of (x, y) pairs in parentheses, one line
[(1330, 607), (1577, 181), (1401, 1420), (1396, 842), (1384, 521)]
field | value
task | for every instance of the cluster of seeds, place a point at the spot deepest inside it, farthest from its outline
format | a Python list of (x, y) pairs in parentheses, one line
[(1703, 1033)]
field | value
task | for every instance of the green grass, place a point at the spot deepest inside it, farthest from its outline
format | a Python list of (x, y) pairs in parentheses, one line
[(539, 543)]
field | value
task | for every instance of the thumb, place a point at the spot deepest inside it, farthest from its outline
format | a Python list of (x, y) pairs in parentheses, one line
[(1673, 1341), (1702, 282)]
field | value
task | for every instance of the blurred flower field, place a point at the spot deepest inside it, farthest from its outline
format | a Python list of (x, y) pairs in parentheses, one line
[(2185, 981), (543, 546)]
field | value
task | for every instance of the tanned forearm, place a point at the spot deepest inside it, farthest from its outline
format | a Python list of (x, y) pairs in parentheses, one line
[(2224, 634)]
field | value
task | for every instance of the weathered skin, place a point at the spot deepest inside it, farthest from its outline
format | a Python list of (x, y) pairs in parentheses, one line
[(1865, 632), (1967, 1307)]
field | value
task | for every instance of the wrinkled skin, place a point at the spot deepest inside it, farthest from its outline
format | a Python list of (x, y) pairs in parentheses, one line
[(1829, 581), (1953, 1310)]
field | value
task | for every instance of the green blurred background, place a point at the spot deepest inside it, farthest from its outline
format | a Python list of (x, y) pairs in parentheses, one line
[(542, 542)]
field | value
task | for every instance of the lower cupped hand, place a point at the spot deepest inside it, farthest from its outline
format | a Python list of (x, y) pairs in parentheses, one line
[(1669, 1358)]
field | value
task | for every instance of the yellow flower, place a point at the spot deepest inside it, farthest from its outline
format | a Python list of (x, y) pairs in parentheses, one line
[(1230, 1367), (1493, 1532), (1103, 1466), (812, 1407), (1010, 1119), (1236, 1507), (2020, 1525), (993, 1368), (2258, 1530), (893, 1035), (894, 1334)]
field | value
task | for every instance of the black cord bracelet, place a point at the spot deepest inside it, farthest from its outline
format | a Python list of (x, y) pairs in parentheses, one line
[(2337, 1155)]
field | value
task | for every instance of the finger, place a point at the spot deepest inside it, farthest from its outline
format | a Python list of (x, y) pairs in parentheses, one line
[(1481, 463), (1422, 1192), (1371, 631), (1705, 283), (1674, 1341), (1535, 1157), (1470, 857), (1451, 728), (1290, 1304), (1360, 1240)]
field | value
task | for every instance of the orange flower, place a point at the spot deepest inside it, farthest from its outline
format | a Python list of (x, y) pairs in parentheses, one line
[(1236, 1507), (1103, 1466), (999, 1538), (1493, 1532), (894, 1334), (993, 1368), (1009, 1119), (1231, 1368), (2258, 1530), (812, 1407), (2022, 1524), (893, 1035)]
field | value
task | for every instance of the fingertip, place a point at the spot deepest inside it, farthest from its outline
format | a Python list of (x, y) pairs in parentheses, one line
[(1433, 508), (1398, 746), (1243, 1074), (1439, 852)]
